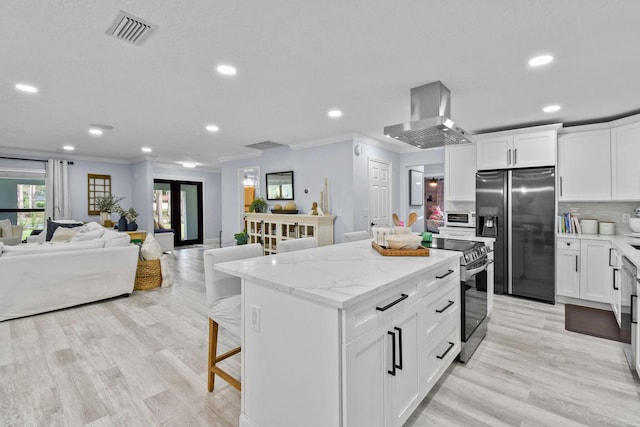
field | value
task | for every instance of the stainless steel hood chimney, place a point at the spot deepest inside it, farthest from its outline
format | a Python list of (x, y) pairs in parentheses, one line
[(430, 124)]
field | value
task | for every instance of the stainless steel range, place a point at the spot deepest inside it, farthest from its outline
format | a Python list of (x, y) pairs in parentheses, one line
[(473, 290)]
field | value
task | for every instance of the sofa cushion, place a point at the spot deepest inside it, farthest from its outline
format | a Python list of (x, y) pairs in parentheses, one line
[(113, 238), (40, 248), (53, 225), (5, 228), (89, 231), (64, 234)]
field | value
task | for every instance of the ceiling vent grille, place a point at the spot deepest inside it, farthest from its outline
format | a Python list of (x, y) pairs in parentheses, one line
[(265, 145), (130, 29)]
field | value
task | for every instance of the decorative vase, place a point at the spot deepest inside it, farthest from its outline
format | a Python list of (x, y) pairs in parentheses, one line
[(105, 218), (122, 224), (132, 226)]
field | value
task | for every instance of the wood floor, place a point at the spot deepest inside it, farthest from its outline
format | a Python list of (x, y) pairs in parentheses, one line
[(141, 361)]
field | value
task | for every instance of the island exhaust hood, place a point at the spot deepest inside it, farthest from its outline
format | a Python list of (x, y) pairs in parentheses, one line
[(430, 124)]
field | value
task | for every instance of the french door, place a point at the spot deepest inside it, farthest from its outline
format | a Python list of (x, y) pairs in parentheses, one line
[(178, 205)]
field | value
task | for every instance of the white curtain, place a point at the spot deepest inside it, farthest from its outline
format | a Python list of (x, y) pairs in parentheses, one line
[(57, 185)]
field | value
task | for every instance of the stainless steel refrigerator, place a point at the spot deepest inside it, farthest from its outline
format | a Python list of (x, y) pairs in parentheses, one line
[(517, 207)]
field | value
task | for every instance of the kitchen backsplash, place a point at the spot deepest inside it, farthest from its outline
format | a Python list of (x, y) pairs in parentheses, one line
[(602, 211)]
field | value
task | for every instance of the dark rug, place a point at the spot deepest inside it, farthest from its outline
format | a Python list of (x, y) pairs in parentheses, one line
[(594, 322)]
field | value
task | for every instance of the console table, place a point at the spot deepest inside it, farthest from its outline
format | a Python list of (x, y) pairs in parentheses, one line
[(271, 229)]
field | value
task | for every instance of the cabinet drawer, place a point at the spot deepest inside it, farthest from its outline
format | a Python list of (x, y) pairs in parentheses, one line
[(373, 312), (440, 277), (569, 244), (440, 307), (439, 352)]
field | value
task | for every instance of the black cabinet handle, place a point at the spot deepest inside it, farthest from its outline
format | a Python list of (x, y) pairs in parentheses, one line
[(445, 274), (442, 310), (610, 250), (447, 351), (391, 304), (393, 354), (576, 262), (614, 279), (399, 366), (632, 309)]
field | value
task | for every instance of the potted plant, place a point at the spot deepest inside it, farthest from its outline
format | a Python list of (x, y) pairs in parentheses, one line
[(106, 204), (242, 238), (259, 205), (131, 216)]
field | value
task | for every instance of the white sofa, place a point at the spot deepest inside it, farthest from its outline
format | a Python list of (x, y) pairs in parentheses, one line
[(36, 278)]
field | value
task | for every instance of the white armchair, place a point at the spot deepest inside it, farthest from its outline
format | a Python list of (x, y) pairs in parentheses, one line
[(14, 238)]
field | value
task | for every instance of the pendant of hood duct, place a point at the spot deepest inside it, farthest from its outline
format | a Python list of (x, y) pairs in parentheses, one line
[(430, 124)]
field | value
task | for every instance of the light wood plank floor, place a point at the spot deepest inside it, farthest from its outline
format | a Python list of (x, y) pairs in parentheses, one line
[(141, 361)]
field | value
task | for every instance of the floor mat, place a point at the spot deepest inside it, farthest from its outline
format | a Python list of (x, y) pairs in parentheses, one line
[(594, 322)]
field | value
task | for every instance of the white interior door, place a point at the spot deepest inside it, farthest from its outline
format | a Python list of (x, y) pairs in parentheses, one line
[(379, 193)]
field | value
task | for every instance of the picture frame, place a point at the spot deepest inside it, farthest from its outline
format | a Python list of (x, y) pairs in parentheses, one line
[(416, 184)]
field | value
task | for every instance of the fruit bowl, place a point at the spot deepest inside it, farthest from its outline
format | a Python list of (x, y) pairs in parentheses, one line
[(634, 223), (404, 241)]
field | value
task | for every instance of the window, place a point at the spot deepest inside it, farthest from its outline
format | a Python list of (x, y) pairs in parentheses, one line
[(22, 199), (97, 185)]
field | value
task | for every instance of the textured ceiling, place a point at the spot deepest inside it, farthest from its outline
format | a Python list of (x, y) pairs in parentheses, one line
[(296, 60)]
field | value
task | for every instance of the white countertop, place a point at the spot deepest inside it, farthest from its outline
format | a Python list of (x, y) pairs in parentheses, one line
[(338, 275), (621, 242)]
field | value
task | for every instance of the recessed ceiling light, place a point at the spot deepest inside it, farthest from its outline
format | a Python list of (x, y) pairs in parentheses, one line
[(188, 164), (68, 147), (551, 108), (146, 149), (212, 128), (95, 131), (335, 113), (540, 60), (227, 70), (26, 88)]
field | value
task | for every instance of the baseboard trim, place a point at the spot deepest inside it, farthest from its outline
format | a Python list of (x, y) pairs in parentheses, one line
[(245, 421)]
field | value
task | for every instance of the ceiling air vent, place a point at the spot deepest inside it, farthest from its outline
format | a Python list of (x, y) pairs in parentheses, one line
[(130, 29), (264, 145)]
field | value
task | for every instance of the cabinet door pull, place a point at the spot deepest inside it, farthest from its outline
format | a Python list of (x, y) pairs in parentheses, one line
[(515, 156), (393, 354), (632, 309), (399, 366), (392, 303), (560, 186), (508, 156), (445, 274), (446, 351), (614, 279), (610, 250), (442, 310), (576, 262)]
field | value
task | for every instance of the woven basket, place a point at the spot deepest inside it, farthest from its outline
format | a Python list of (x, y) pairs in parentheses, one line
[(148, 275)]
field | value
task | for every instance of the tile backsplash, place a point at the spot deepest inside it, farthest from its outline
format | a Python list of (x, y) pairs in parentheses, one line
[(602, 211)]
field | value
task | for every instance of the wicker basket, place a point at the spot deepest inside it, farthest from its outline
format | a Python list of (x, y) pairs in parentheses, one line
[(148, 275)]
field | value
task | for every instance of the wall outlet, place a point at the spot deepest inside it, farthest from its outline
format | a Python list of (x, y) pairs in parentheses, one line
[(625, 218), (255, 318)]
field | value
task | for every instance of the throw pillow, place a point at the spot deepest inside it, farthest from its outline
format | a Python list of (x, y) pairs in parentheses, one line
[(53, 225), (151, 248), (63, 234), (115, 238)]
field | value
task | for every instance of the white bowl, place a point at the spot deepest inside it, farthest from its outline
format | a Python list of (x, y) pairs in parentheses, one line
[(634, 223), (404, 241), (401, 230)]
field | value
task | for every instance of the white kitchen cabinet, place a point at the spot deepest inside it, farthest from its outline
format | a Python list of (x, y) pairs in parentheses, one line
[(271, 229), (584, 166), (636, 327), (460, 173), (595, 278), (518, 149), (568, 268), (615, 263), (625, 167)]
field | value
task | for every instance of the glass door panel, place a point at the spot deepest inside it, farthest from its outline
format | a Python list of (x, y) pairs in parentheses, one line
[(178, 206)]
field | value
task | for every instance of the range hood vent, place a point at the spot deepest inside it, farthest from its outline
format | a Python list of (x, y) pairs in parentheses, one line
[(130, 29), (430, 124)]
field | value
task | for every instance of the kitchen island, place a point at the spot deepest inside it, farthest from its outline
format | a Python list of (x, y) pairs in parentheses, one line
[(343, 336)]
